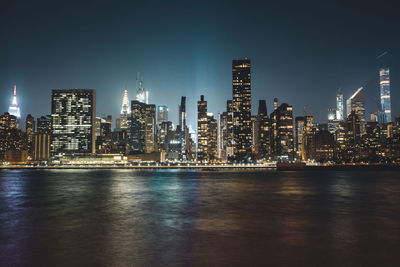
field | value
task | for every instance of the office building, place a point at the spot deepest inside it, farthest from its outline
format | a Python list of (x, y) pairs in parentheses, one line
[(202, 130), (30, 130), (303, 124), (241, 93), (384, 83), (356, 103), (282, 133), (73, 113), (339, 107)]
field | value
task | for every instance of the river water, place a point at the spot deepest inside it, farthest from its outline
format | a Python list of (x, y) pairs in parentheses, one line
[(199, 218)]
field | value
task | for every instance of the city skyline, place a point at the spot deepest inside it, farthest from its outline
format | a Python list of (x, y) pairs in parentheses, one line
[(293, 58)]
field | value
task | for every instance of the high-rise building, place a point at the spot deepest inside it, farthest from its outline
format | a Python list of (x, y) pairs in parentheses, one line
[(125, 112), (227, 130), (356, 103), (73, 113), (30, 130), (212, 136), (384, 82), (14, 107), (333, 122), (339, 107), (275, 103), (44, 124), (182, 128), (241, 93), (150, 128), (304, 125), (262, 132), (137, 133), (202, 130), (10, 136), (162, 114), (141, 94), (143, 125), (282, 133)]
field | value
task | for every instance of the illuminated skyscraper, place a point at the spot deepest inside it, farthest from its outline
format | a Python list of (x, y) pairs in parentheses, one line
[(282, 132), (14, 108), (141, 94), (182, 128), (356, 103), (202, 130), (386, 112), (339, 107), (227, 130), (73, 113), (125, 112), (303, 124), (162, 114), (241, 92), (30, 130)]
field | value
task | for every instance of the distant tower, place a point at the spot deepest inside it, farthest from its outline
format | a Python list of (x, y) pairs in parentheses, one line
[(14, 108), (275, 103), (384, 82), (356, 103), (141, 94), (339, 106), (125, 111)]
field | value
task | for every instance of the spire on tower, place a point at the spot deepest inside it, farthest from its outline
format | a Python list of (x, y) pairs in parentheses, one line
[(14, 108)]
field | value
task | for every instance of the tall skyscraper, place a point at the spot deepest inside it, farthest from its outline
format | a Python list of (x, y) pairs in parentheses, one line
[(162, 114), (202, 130), (143, 123), (73, 113), (150, 127), (137, 133), (14, 108), (339, 107), (212, 136), (141, 94), (384, 82), (304, 124), (227, 130), (282, 132), (356, 103), (125, 112), (30, 130), (241, 92), (44, 124), (263, 132), (182, 127)]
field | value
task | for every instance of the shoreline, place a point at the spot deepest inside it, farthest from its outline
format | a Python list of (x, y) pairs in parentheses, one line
[(288, 167)]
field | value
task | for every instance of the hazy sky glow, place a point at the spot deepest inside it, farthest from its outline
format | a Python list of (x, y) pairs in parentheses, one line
[(301, 52)]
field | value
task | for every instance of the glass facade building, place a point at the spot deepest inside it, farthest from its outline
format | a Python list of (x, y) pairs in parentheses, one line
[(241, 92), (73, 114), (384, 83)]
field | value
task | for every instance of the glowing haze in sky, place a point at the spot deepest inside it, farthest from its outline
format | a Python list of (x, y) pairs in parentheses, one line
[(300, 52)]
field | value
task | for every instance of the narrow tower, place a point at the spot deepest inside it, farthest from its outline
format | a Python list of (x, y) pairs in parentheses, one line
[(14, 108), (384, 83)]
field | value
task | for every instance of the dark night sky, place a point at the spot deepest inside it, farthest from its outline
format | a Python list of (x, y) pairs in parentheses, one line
[(301, 52)]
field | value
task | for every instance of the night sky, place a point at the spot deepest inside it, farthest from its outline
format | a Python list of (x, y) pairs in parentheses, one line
[(300, 53)]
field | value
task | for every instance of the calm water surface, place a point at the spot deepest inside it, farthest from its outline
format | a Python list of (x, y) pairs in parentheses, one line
[(199, 218)]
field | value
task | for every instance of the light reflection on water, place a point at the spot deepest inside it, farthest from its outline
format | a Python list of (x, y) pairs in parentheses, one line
[(197, 218)]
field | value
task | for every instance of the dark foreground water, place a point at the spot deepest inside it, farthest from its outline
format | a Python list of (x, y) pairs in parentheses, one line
[(199, 218)]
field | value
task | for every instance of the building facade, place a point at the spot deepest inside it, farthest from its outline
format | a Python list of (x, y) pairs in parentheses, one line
[(241, 104), (73, 113), (384, 83)]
